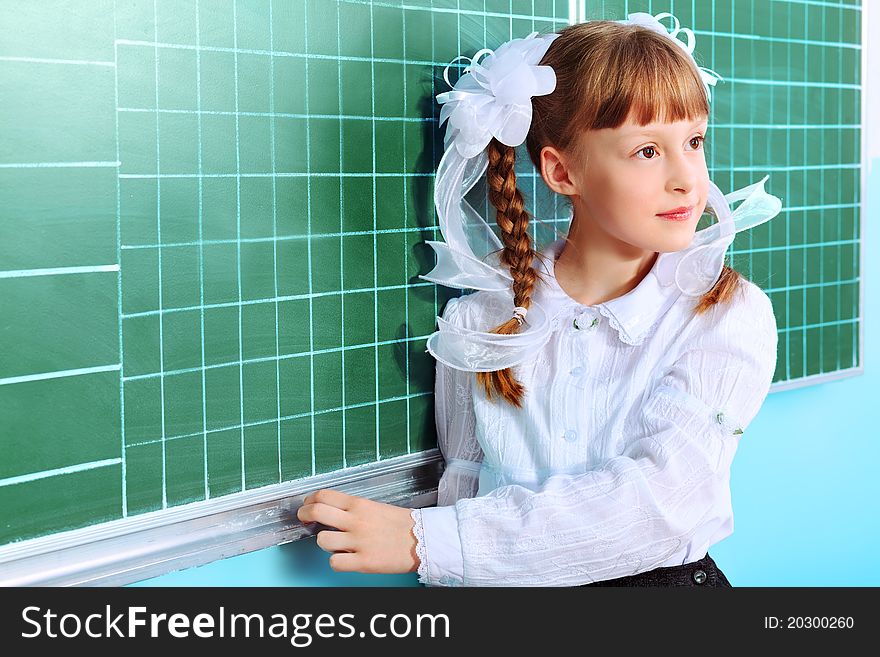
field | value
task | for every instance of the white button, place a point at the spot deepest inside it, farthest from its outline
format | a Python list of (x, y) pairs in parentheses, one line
[(570, 435), (586, 320), (578, 371)]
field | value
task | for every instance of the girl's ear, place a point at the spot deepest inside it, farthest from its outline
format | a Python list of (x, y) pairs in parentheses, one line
[(556, 171)]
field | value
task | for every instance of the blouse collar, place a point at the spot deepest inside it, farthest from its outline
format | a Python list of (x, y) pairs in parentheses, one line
[(632, 314)]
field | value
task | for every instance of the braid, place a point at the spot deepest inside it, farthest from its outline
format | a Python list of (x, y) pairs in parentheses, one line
[(518, 254)]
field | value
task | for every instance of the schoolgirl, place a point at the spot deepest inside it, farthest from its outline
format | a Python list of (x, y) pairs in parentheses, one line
[(591, 394)]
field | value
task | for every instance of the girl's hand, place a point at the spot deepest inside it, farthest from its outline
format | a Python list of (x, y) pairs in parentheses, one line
[(373, 537)]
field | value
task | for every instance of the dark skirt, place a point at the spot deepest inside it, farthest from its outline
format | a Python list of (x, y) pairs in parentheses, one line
[(704, 572)]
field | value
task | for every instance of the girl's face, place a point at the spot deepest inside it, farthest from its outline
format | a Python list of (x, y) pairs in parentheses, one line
[(621, 179)]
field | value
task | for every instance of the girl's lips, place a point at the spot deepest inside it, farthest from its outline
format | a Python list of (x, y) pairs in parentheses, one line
[(683, 216)]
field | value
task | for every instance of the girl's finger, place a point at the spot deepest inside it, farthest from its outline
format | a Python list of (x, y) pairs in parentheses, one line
[(345, 562), (332, 541), (329, 496), (325, 514)]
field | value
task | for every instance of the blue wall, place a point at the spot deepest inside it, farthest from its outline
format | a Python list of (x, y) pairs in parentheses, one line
[(806, 496)]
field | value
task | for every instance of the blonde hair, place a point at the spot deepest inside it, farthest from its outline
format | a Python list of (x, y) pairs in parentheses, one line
[(603, 70)]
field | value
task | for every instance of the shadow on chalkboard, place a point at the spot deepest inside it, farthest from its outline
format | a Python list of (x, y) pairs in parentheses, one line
[(423, 202), (305, 557)]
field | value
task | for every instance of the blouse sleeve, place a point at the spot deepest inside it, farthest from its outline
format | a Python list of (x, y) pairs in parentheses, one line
[(640, 507), (456, 437)]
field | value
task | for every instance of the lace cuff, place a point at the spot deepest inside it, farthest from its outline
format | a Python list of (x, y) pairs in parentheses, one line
[(438, 525), (419, 532)]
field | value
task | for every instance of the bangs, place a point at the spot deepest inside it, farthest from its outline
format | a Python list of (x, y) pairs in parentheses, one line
[(655, 80)]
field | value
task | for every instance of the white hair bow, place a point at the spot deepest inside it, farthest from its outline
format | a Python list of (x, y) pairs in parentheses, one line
[(494, 97)]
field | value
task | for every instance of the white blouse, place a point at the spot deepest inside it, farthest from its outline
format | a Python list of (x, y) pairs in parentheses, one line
[(619, 461)]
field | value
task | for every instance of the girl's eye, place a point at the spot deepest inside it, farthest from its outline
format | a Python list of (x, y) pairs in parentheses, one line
[(700, 141), (699, 138)]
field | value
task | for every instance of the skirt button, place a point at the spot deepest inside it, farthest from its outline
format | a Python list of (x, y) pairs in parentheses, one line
[(699, 576)]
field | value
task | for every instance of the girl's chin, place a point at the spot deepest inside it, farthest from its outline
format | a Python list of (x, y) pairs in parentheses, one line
[(676, 243)]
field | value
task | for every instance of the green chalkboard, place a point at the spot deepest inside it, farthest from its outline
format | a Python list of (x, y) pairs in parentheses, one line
[(213, 215)]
